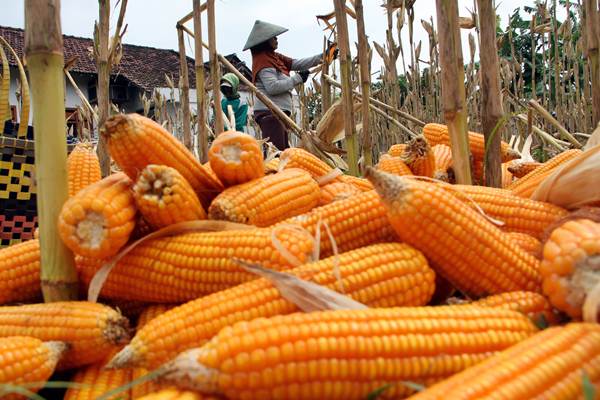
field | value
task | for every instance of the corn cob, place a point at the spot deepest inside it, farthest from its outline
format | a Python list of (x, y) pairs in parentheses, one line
[(20, 272), (354, 222), (419, 157), (183, 267), (361, 183), (96, 380), (534, 305), (164, 197), (335, 191), (135, 141), (26, 360), (438, 134), (464, 247), (98, 221), (393, 165), (443, 161), (175, 394), (507, 176), (236, 157), (272, 166), (518, 214), (83, 168), (527, 242), (295, 157), (267, 200), (347, 354), (570, 264), (525, 186), (396, 150), (548, 365), (383, 275), (521, 168), (210, 172), (91, 330)]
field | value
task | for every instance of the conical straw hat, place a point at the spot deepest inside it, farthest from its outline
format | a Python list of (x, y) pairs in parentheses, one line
[(261, 32)]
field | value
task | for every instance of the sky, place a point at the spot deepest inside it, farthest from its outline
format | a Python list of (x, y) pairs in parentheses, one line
[(152, 22)]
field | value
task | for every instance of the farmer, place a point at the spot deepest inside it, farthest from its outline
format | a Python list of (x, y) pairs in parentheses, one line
[(271, 75), (229, 88)]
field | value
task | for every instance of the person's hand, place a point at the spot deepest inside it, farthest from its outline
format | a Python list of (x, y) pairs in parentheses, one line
[(304, 75)]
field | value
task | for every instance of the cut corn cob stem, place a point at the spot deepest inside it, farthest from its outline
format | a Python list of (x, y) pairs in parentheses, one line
[(393, 165), (517, 214), (98, 221), (548, 365), (90, 330), (571, 264), (135, 141), (164, 197), (20, 272), (267, 200), (527, 242), (419, 157), (236, 157), (525, 186), (83, 168), (26, 360), (335, 191), (185, 266), (532, 304), (382, 275), (346, 354), (354, 222), (521, 168), (463, 246)]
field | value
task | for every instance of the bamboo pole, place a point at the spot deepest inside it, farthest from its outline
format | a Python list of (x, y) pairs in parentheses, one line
[(200, 95), (103, 82), (546, 115), (592, 30), (215, 73), (491, 100), (453, 87), (184, 82), (365, 81), (325, 87), (44, 53), (81, 96)]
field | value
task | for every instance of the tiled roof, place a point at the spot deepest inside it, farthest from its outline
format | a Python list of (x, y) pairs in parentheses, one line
[(145, 67)]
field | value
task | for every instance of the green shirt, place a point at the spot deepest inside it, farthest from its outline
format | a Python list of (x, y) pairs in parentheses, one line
[(239, 110)]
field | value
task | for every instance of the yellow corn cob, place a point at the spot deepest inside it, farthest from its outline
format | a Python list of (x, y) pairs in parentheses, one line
[(548, 365), (527, 242), (25, 360), (361, 183), (518, 214), (20, 272), (419, 157), (183, 267), (382, 275), (164, 197), (464, 247), (176, 394), (267, 200), (347, 354), (443, 161), (507, 176), (521, 168), (335, 191), (393, 165), (272, 166), (96, 380), (98, 221), (396, 150), (295, 157), (83, 168), (532, 304), (354, 222), (135, 141), (438, 134), (236, 157), (570, 264), (525, 186), (91, 330)]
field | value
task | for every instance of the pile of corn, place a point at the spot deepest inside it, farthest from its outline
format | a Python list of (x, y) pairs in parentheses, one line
[(449, 291)]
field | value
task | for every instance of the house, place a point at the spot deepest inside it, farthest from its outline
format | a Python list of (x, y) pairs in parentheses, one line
[(141, 70)]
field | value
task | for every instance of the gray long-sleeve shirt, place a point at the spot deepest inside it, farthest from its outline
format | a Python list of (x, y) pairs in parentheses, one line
[(277, 86)]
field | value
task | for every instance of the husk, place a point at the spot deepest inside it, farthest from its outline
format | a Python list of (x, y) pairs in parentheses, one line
[(593, 140), (575, 184), (331, 126), (306, 295)]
